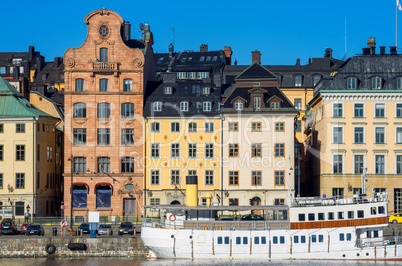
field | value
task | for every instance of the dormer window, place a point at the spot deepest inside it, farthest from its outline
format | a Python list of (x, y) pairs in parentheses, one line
[(298, 81), (160, 60), (207, 106), (181, 75), (352, 83), (316, 79), (214, 58), (192, 75), (168, 90), (376, 83), (275, 105), (256, 84), (183, 60), (257, 103), (184, 106), (206, 90), (202, 75), (202, 58), (238, 106), (157, 106), (208, 59), (399, 83)]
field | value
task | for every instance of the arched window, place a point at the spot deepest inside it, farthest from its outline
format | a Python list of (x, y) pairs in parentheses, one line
[(127, 165), (351, 83), (175, 202), (79, 85), (103, 110), (80, 193), (376, 83), (298, 81), (128, 85), (103, 165), (80, 110), (316, 79), (103, 85), (127, 110), (103, 54), (103, 196)]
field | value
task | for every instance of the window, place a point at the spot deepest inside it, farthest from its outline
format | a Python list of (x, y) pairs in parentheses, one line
[(80, 136), (19, 180), (399, 135), (380, 164), (257, 103), (103, 55), (127, 110), (359, 164), (20, 153), (80, 110), (127, 85), (256, 150), (298, 148), (275, 105), (155, 177), (209, 127), (103, 165), (192, 150), (1, 152), (279, 201), (298, 81), (360, 214), (219, 240), (311, 216), (155, 150), (2, 70), (20, 128), (103, 110), (2, 128), (359, 110), (192, 127), (181, 75), (127, 136), (298, 126), (399, 83), (399, 110), (202, 75), (175, 177), (298, 103), (302, 217), (316, 79), (155, 127), (359, 135), (175, 127), (238, 106), (351, 214), (233, 126), (80, 165), (337, 164), (296, 239), (351, 82), (275, 240), (192, 75), (349, 237), (206, 106), (157, 106), (155, 201), (127, 165), (208, 59), (279, 126), (192, 172), (209, 150), (175, 150), (337, 110), (103, 85), (341, 237), (256, 178), (168, 90), (205, 90), (1, 182), (331, 215), (79, 85), (209, 177), (321, 216), (103, 136), (280, 178), (256, 240), (399, 164), (279, 149), (339, 193), (379, 110), (338, 135), (341, 215), (376, 83), (233, 150), (380, 135), (256, 126), (184, 106), (233, 178)]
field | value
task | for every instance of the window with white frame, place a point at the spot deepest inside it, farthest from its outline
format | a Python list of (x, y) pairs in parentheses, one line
[(103, 136), (399, 110), (175, 177), (127, 136), (376, 83), (379, 135), (359, 164), (103, 110), (80, 110), (399, 164), (209, 150), (298, 104), (316, 79), (155, 127), (337, 164), (337, 110), (155, 177), (206, 106), (380, 164), (157, 106), (184, 106), (209, 127), (209, 177), (338, 135), (359, 135), (175, 127), (155, 150), (192, 150), (351, 83), (238, 106), (358, 110), (168, 90), (379, 110), (206, 90), (103, 85), (192, 75), (79, 85), (79, 136), (127, 110), (202, 75), (127, 165), (175, 150), (127, 85), (192, 127), (298, 81), (181, 75), (399, 135)]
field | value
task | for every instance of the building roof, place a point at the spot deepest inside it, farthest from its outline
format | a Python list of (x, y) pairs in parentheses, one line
[(13, 104), (256, 72)]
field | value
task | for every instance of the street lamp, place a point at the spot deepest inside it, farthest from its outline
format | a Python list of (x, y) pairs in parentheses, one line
[(71, 192)]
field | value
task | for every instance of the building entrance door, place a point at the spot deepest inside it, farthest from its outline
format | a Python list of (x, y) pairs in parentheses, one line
[(129, 207), (398, 200)]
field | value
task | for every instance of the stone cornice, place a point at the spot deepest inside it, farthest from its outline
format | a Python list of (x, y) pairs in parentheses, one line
[(362, 96)]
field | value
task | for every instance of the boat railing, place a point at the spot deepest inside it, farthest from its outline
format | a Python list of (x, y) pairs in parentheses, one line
[(216, 225), (379, 241)]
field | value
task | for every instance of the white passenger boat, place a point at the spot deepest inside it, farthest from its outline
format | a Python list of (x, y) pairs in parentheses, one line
[(305, 228)]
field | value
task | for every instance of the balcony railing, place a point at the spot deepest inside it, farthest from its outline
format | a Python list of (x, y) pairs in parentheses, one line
[(105, 66)]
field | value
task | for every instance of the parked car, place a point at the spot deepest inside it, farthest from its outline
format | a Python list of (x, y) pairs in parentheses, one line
[(103, 228), (251, 217), (24, 227), (35, 229), (7, 227), (126, 228), (226, 219), (84, 227), (395, 218)]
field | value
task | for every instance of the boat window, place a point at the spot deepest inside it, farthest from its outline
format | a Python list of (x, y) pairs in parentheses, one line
[(360, 214), (331, 216), (351, 214), (375, 233), (341, 237), (302, 217), (381, 209), (282, 239), (245, 240), (313, 238), (226, 240), (349, 237), (321, 216), (311, 216), (219, 240), (296, 239), (302, 239), (320, 238), (256, 240), (263, 240), (238, 240), (368, 234), (275, 240), (373, 210), (341, 215)]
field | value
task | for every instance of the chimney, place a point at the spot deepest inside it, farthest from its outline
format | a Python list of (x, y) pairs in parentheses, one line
[(328, 53), (204, 48), (57, 61), (126, 31), (382, 50), (392, 50), (228, 54), (31, 52), (256, 57), (170, 50), (372, 50), (366, 51), (298, 62), (370, 42)]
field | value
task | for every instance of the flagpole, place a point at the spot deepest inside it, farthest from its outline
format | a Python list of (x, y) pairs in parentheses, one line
[(396, 24)]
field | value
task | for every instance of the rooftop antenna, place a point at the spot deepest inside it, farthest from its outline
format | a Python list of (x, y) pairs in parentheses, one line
[(174, 37), (346, 47)]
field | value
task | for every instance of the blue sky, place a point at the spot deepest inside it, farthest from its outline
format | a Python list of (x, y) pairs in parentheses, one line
[(282, 30)]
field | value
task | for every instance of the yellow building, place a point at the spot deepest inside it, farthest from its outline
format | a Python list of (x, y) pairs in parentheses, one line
[(28, 158)]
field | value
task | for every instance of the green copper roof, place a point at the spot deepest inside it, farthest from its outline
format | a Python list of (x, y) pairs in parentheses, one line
[(13, 104)]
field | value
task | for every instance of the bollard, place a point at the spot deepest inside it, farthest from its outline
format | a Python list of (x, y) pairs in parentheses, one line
[(54, 231), (81, 232)]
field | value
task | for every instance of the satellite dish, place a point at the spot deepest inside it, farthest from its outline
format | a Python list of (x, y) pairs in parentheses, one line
[(141, 26), (129, 186)]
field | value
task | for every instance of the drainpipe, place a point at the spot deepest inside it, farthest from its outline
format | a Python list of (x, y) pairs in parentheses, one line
[(34, 160), (221, 168), (145, 165)]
